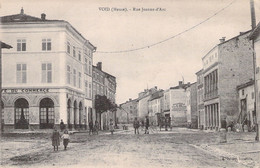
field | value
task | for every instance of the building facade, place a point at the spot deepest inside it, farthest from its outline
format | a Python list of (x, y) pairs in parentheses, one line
[(226, 66), (246, 104), (43, 75), (155, 107), (200, 102), (127, 111)]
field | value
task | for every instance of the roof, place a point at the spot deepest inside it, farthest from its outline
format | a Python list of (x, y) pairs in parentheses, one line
[(156, 95), (241, 34), (4, 45), (199, 72), (23, 18), (244, 85), (255, 32)]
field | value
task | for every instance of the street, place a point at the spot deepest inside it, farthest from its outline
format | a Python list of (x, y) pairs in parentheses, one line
[(179, 147)]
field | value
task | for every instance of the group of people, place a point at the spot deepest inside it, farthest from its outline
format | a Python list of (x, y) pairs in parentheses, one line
[(93, 128), (57, 137), (136, 125)]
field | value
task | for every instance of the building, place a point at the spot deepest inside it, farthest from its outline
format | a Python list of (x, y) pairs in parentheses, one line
[(246, 104), (127, 111), (200, 102), (178, 104), (143, 98), (255, 37), (155, 106), (191, 102), (104, 84), (225, 66), (44, 73)]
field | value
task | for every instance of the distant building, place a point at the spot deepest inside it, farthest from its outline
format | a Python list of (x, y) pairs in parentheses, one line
[(191, 102), (155, 106), (226, 66), (127, 111), (246, 104), (200, 102), (44, 73)]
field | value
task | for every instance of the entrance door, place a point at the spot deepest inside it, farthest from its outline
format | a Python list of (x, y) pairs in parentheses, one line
[(46, 114), (21, 114)]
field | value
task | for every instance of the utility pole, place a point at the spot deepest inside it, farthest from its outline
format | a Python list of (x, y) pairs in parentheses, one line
[(253, 24), (2, 45)]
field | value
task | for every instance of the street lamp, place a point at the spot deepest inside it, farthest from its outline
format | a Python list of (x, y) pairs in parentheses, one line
[(2, 45)]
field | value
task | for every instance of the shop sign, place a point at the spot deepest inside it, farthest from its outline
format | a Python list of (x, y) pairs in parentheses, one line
[(26, 90), (179, 107)]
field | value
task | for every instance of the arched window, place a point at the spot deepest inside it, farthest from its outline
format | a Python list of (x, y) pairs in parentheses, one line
[(46, 113), (80, 114), (21, 114)]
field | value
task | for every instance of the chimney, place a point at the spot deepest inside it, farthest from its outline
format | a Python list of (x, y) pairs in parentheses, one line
[(155, 87), (130, 99), (43, 16), (99, 66), (180, 83), (252, 7), (22, 11), (222, 39)]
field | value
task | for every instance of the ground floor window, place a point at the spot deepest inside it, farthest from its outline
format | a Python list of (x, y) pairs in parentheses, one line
[(46, 113), (21, 114)]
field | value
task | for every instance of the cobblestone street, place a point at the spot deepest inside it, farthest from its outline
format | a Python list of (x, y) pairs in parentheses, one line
[(177, 148)]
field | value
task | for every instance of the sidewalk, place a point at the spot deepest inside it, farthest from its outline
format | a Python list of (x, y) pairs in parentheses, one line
[(240, 147)]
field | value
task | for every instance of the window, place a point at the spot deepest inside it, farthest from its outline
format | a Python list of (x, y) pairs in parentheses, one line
[(74, 77), (86, 65), (79, 84), (243, 92), (86, 88), (68, 47), (46, 73), (21, 73), (21, 45), (68, 74), (90, 70), (46, 44), (253, 95), (79, 54), (90, 90), (74, 51)]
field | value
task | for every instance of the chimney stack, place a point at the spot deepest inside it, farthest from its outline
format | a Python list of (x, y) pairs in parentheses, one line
[(180, 83), (222, 39), (43, 16), (252, 7), (99, 66)]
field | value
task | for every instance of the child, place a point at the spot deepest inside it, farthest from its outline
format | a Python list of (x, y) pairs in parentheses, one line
[(55, 139), (66, 139)]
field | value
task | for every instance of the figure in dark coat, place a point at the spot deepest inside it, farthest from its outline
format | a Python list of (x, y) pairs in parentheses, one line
[(55, 139), (136, 125), (146, 125), (90, 125), (62, 125)]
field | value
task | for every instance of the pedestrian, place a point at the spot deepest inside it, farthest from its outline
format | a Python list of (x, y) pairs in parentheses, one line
[(111, 126), (136, 125), (146, 125), (55, 139), (90, 124), (96, 126), (66, 138), (62, 125)]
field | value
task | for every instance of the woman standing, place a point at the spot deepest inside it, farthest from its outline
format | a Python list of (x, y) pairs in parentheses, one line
[(55, 139)]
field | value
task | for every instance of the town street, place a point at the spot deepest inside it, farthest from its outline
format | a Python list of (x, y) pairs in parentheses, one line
[(180, 147)]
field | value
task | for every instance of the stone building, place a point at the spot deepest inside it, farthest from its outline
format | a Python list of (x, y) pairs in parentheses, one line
[(200, 102), (255, 37), (226, 66), (127, 111), (191, 102), (104, 84), (155, 106), (44, 73), (246, 104)]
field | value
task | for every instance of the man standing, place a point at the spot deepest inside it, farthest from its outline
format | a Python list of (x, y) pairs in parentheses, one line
[(146, 125), (136, 125), (90, 125)]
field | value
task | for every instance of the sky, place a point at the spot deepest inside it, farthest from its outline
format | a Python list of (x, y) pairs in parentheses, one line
[(161, 65)]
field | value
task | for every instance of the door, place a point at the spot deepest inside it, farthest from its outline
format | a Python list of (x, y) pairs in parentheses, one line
[(46, 114)]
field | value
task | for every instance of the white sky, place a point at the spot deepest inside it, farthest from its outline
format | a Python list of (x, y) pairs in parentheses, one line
[(162, 65)]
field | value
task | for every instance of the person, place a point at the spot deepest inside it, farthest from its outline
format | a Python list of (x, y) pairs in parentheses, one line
[(146, 125), (90, 124), (136, 125), (96, 126), (111, 126), (66, 138), (55, 139), (62, 125)]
